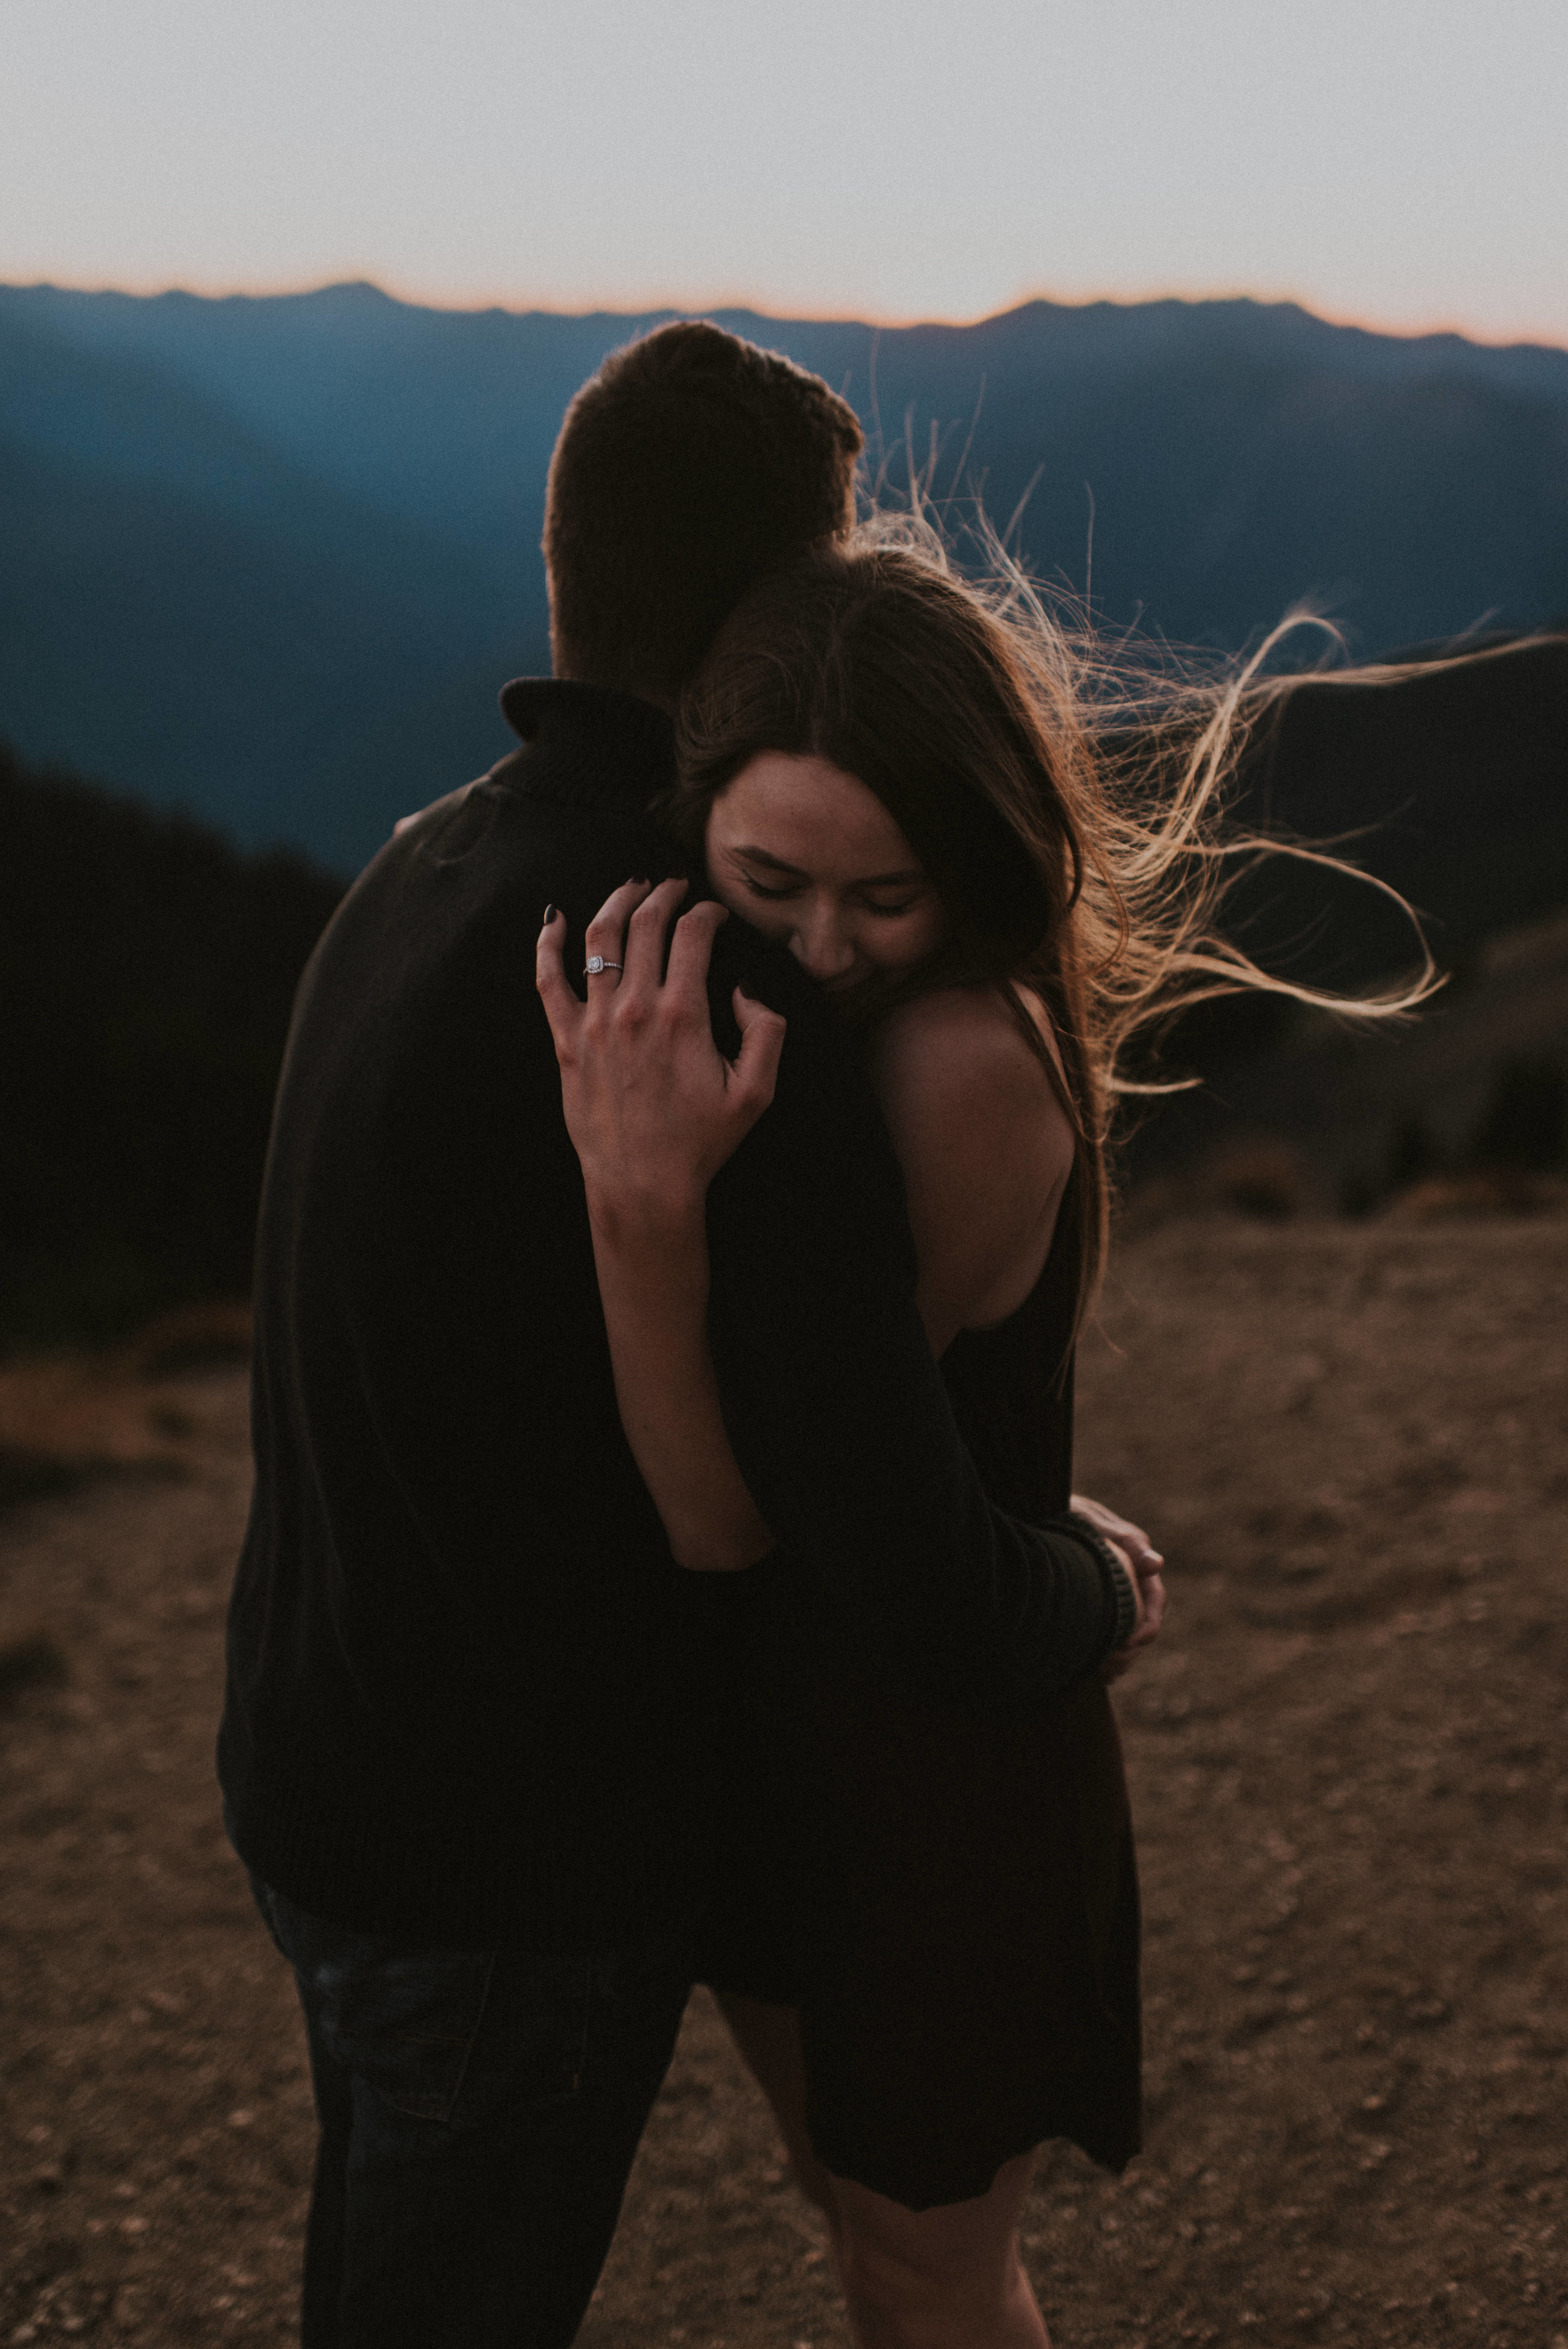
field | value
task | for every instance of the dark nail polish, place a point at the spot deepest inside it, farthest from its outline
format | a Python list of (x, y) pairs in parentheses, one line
[(549, 915)]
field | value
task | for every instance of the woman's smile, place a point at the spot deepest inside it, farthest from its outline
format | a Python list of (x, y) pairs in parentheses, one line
[(813, 859)]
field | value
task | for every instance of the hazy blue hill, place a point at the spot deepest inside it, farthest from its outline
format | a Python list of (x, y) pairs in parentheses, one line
[(421, 748), (187, 610), (383, 466), (152, 638), (450, 415), (444, 417), (1240, 458)]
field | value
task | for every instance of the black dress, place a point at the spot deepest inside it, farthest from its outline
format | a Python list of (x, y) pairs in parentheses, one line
[(944, 1887)]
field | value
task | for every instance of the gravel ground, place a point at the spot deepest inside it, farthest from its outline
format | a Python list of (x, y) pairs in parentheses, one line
[(1346, 1757)]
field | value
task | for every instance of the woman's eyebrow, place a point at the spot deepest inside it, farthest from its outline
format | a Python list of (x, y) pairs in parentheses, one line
[(866, 880), (774, 863)]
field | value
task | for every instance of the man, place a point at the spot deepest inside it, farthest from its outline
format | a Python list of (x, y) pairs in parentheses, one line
[(468, 1745)]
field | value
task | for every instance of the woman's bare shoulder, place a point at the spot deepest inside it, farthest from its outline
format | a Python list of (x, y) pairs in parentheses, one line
[(961, 1051), (986, 1148)]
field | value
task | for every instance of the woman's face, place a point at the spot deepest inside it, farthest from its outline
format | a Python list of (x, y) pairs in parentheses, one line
[(811, 858)]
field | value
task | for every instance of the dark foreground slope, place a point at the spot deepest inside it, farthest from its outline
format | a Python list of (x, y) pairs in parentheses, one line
[(146, 971), (1450, 784), (1352, 1832)]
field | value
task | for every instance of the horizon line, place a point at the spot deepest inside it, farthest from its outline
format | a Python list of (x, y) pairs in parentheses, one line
[(877, 320)]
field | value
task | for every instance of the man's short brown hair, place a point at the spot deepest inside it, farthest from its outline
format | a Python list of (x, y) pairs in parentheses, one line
[(691, 463)]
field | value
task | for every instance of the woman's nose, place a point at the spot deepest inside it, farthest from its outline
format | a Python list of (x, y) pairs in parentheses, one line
[(820, 946)]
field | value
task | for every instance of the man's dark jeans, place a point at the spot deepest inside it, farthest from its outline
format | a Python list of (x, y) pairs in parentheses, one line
[(479, 2111)]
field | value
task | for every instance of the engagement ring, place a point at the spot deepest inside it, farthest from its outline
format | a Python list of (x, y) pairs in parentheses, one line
[(596, 963)]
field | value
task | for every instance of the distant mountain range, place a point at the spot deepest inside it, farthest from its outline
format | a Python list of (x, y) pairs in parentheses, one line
[(269, 559)]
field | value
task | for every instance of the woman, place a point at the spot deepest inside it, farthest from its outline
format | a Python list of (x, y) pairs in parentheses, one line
[(926, 1943)]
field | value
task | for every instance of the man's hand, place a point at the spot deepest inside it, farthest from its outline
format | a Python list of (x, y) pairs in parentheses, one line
[(1147, 1566), (652, 1106)]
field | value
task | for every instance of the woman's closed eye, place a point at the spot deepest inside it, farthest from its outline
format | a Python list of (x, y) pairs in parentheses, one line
[(871, 904)]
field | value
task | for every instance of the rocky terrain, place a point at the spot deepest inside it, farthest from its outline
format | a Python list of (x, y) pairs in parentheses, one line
[(1346, 1756)]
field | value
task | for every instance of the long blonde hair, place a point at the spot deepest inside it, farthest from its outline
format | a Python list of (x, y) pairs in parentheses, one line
[(1065, 800)]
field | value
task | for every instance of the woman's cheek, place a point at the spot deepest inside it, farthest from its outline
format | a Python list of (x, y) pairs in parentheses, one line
[(773, 923), (892, 946), (921, 934)]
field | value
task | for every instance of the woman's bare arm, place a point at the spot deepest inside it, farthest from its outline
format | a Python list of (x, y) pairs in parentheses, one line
[(653, 1111), (986, 1150), (653, 1284)]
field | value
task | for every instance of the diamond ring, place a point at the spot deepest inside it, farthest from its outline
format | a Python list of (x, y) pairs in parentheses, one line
[(596, 963)]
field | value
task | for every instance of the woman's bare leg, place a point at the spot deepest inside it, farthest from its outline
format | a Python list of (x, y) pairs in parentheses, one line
[(769, 2037), (944, 2279), (950, 2278)]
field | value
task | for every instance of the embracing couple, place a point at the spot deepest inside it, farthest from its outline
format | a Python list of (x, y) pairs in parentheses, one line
[(663, 1566)]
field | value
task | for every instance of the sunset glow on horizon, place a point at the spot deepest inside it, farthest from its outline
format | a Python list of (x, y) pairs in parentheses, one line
[(1402, 169)]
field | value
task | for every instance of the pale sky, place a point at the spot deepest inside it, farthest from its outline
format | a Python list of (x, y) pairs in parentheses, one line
[(1401, 162)]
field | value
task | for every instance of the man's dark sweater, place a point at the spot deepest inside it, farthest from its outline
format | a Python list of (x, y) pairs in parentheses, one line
[(470, 1691)]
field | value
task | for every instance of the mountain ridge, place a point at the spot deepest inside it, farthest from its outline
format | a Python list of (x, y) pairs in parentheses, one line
[(374, 470)]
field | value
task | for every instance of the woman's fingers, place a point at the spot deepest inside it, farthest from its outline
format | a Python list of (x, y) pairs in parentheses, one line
[(761, 1042), (606, 935), (1144, 1556), (563, 1006), (691, 949), (647, 925), (653, 1107), (661, 1082), (1153, 1588), (627, 937)]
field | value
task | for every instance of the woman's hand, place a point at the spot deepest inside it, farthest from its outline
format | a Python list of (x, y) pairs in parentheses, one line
[(653, 1107), (1143, 1562)]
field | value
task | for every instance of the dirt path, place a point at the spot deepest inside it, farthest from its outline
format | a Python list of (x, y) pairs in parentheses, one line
[(1347, 1763)]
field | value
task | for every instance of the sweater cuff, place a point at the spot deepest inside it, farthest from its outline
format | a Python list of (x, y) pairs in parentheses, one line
[(1121, 1589)]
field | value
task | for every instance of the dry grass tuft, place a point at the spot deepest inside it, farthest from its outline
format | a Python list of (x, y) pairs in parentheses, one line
[(68, 1416), (1489, 1191)]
